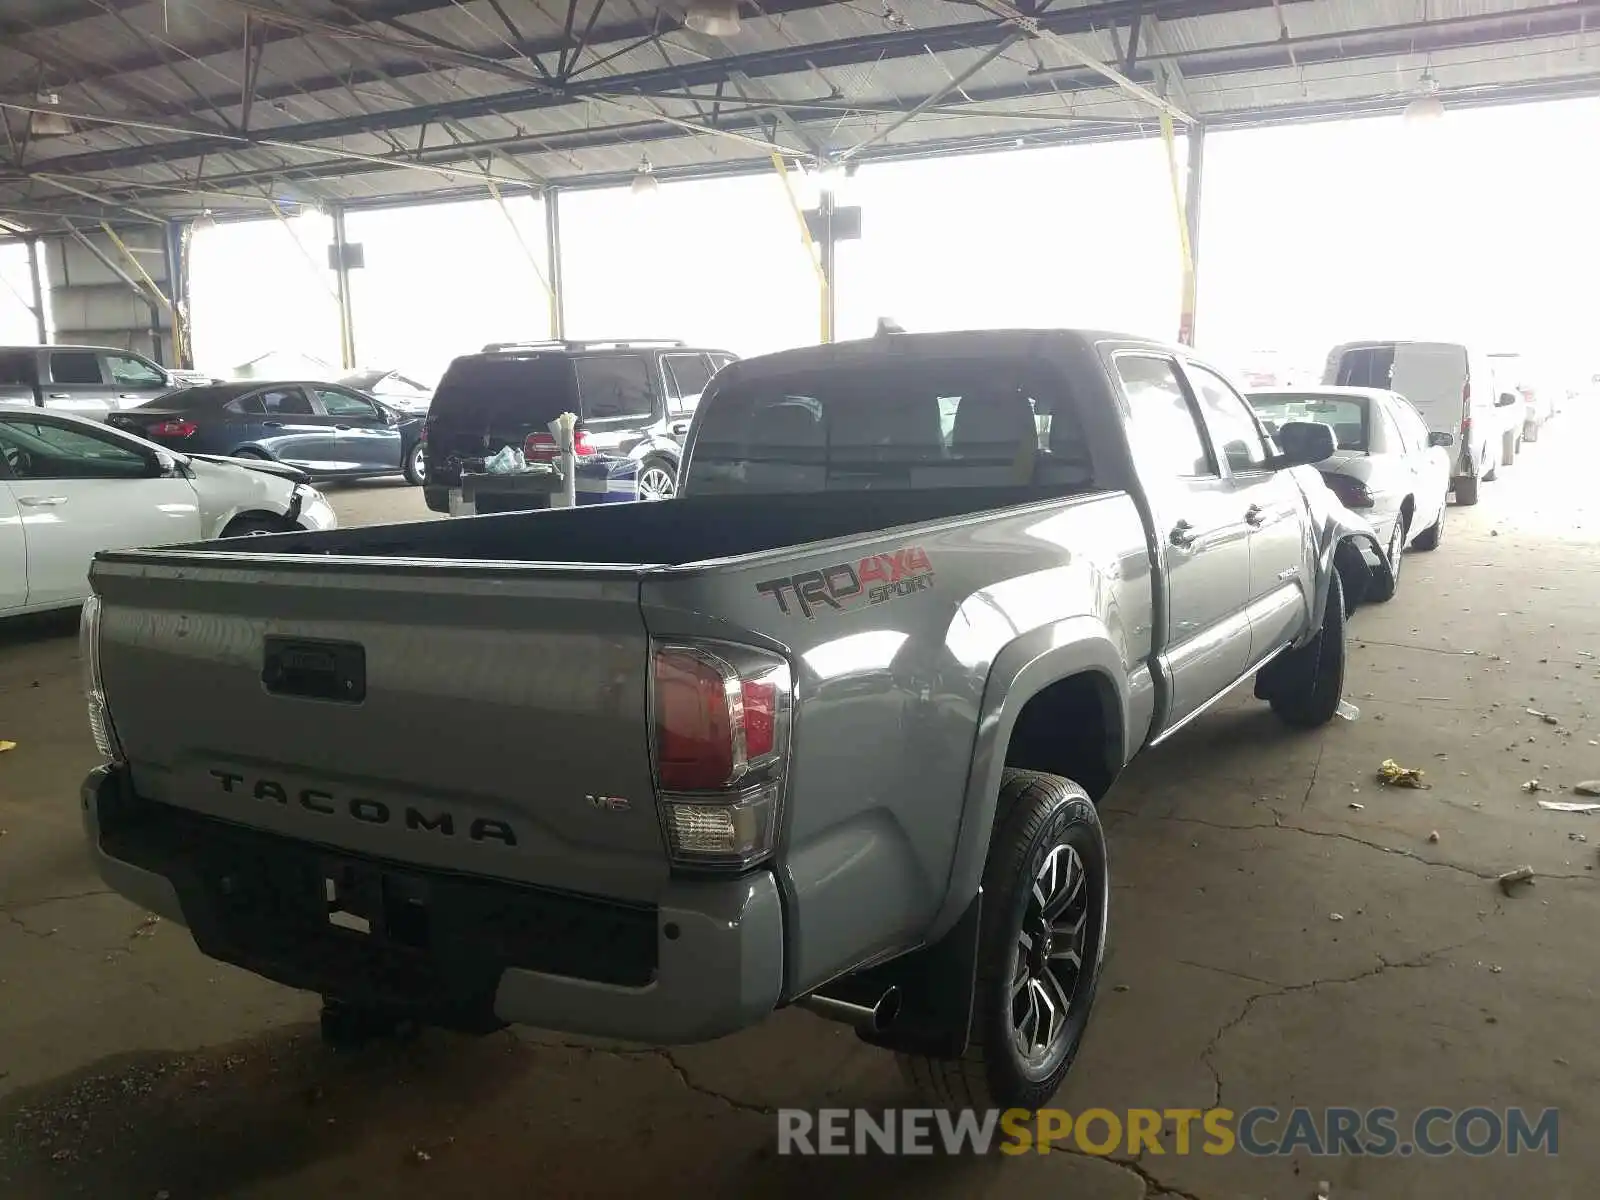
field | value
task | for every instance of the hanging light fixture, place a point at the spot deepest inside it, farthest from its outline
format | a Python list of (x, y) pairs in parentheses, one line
[(644, 179), (712, 18), (49, 124), (1426, 106)]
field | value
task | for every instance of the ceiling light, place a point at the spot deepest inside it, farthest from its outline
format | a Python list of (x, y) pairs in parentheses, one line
[(1427, 106), (712, 19), (644, 179)]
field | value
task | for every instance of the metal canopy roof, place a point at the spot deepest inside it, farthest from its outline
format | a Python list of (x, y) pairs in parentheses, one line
[(181, 106)]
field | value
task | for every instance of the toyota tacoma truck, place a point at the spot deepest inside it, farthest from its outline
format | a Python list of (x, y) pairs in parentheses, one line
[(827, 729)]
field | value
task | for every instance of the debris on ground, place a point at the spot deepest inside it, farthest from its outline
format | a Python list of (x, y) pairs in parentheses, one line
[(1434, 837), (1589, 787), (1392, 774), (147, 926), (1571, 806), (1533, 785), (4, 746), (420, 1156), (1348, 711), (1335, 916), (1357, 807), (1324, 1190), (1574, 836), (1511, 879)]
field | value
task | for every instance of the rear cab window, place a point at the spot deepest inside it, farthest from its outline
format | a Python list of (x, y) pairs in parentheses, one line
[(873, 426), (75, 366)]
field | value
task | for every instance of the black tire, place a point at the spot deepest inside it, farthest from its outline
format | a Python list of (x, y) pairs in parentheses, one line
[(1430, 537), (1306, 685), (1385, 583), (254, 523), (253, 454), (1508, 449), (1466, 491), (662, 476), (416, 465), (1040, 820), (1531, 434)]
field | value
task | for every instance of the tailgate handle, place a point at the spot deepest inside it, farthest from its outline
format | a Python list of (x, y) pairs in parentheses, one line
[(315, 670)]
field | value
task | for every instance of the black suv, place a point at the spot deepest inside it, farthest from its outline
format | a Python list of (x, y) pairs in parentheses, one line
[(632, 399)]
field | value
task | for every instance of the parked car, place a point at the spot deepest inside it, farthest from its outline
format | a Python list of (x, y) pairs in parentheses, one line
[(1388, 465), (70, 487), (1536, 389), (828, 729), (91, 381), (632, 399), (1455, 389), (399, 392), (326, 430)]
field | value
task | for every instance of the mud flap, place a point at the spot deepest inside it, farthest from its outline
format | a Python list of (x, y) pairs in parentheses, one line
[(937, 987), (1356, 566)]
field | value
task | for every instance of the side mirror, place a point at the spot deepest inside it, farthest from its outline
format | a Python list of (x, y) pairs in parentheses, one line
[(1506, 400), (1304, 443), (1441, 439)]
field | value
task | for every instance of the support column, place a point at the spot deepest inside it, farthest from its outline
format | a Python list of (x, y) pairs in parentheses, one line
[(1193, 185), (552, 249), (828, 247), (341, 271), (178, 293), (35, 275)]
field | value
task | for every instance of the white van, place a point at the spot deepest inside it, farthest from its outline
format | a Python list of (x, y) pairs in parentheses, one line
[(1454, 388)]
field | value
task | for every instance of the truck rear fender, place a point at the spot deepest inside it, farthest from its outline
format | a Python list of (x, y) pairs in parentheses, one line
[(1080, 647)]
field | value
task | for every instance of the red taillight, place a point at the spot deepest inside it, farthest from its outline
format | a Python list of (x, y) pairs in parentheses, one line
[(541, 447), (721, 751), (699, 723), (1352, 493), (176, 429)]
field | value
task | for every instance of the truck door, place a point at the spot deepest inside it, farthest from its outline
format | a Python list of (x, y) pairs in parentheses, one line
[(1205, 541), (134, 380), (77, 384), (1270, 504), (13, 548)]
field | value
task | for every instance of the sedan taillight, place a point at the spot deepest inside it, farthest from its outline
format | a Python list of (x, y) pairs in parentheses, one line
[(1352, 493), (174, 429)]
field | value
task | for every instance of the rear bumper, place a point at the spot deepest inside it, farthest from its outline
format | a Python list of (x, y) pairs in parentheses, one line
[(463, 952)]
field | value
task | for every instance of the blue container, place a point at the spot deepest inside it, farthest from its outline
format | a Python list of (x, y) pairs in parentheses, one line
[(606, 480)]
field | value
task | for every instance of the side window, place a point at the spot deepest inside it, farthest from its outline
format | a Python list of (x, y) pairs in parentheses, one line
[(1231, 421), (1413, 428), (287, 401), (134, 372), (686, 376), (245, 405), (17, 368), (615, 385), (35, 449), (1165, 433), (75, 366), (343, 404)]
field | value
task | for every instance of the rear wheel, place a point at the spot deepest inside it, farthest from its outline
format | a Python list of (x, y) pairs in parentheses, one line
[(1304, 686), (1385, 583), (417, 465), (658, 479), (1040, 948)]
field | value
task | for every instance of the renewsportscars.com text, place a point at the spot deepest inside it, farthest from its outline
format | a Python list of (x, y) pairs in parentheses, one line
[(1258, 1132)]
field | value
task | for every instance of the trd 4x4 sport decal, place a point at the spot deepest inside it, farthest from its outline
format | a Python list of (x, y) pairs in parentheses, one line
[(868, 581)]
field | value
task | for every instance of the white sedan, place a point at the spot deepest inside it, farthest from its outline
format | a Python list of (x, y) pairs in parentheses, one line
[(1388, 466), (70, 487)]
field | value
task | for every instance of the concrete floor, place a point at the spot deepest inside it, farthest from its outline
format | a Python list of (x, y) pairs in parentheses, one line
[(132, 1067)]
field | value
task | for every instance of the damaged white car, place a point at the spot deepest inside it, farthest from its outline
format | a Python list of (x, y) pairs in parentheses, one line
[(70, 488)]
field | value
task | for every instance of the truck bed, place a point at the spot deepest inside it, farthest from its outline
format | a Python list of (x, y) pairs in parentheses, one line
[(623, 536)]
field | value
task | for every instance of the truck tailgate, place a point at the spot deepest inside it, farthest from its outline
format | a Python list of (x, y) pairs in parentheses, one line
[(485, 721)]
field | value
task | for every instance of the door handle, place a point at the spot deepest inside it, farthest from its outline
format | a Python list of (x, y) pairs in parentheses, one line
[(343, 428), (41, 501), (681, 428), (127, 396), (1255, 515), (61, 395), (1182, 534), (272, 424)]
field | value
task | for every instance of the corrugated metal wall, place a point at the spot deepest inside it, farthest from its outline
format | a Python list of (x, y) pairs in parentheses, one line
[(94, 304)]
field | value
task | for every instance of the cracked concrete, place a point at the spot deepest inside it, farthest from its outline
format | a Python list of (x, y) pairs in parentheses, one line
[(130, 1066)]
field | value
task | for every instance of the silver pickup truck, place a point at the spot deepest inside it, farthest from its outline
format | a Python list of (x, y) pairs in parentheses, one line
[(826, 729)]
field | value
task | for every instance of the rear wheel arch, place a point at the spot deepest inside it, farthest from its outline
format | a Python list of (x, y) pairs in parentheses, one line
[(1077, 659)]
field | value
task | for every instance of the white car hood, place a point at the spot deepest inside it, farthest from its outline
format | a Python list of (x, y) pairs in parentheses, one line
[(223, 491)]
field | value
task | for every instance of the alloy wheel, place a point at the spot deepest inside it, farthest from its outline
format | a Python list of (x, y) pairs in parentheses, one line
[(657, 483), (1048, 962)]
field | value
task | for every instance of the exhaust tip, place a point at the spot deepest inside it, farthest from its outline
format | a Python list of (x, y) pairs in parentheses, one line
[(886, 1010)]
